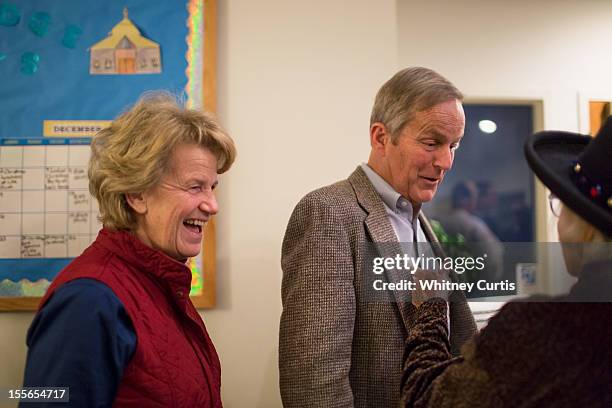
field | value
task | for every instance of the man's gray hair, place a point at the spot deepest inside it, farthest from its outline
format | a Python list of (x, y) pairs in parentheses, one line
[(409, 91)]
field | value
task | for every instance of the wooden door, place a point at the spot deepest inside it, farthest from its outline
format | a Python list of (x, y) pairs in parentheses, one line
[(126, 65)]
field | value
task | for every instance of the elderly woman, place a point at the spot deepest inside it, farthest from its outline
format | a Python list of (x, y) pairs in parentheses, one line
[(117, 325), (548, 351)]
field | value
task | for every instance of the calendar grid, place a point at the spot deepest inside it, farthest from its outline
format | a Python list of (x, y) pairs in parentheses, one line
[(45, 207)]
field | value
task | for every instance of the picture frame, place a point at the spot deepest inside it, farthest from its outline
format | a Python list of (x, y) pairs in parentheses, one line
[(207, 259), (590, 105)]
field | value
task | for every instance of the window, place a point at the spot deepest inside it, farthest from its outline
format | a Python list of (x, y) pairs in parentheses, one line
[(488, 197)]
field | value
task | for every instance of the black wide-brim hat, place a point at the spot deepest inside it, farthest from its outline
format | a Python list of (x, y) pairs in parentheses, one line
[(577, 169)]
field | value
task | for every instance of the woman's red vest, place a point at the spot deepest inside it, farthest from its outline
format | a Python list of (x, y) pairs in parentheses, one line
[(175, 363)]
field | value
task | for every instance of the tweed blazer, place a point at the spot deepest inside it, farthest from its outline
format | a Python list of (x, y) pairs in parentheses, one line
[(335, 348)]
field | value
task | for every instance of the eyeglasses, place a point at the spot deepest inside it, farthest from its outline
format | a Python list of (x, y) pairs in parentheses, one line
[(555, 204)]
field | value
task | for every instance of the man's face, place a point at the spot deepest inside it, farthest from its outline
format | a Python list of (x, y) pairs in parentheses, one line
[(176, 209), (417, 161)]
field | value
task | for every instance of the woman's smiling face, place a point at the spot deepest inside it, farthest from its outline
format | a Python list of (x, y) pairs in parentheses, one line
[(171, 216)]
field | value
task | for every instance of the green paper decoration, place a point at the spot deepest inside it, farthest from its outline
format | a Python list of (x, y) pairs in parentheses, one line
[(39, 23), (29, 63), (71, 36), (9, 15)]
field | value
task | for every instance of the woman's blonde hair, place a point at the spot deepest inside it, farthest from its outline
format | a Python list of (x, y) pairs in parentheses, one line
[(131, 155)]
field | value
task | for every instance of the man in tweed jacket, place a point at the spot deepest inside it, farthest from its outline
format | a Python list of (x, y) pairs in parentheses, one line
[(336, 348)]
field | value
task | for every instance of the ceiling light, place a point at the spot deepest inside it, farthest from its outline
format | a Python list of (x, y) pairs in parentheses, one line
[(487, 126)]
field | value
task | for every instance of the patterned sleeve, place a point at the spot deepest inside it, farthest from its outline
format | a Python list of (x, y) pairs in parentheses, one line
[(486, 373), (427, 353)]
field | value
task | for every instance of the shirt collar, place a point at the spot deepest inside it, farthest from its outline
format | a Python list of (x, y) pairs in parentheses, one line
[(390, 197)]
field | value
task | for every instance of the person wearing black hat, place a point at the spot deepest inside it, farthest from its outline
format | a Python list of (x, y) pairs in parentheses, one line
[(543, 351)]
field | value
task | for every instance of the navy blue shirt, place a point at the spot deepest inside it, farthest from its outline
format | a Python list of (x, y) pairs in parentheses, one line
[(82, 338)]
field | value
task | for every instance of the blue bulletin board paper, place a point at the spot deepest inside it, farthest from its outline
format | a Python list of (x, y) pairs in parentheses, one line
[(61, 87), (45, 75)]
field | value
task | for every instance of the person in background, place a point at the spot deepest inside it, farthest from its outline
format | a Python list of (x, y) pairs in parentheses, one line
[(479, 238), (337, 349), (486, 207), (543, 351), (117, 325)]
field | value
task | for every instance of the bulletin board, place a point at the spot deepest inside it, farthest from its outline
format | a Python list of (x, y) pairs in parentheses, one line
[(68, 68)]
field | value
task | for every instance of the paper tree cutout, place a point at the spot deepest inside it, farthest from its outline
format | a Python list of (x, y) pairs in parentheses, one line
[(125, 51)]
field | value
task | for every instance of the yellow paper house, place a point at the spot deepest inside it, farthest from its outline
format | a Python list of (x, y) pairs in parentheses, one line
[(125, 51)]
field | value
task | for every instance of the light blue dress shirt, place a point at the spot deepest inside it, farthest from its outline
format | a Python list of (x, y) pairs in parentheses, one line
[(407, 227)]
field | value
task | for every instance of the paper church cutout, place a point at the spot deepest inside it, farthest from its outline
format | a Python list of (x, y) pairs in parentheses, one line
[(125, 51)]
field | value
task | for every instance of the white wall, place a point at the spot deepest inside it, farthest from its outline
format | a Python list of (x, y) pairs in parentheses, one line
[(295, 87), (549, 50)]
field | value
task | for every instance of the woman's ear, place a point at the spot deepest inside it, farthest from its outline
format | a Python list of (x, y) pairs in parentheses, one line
[(137, 201), (588, 234)]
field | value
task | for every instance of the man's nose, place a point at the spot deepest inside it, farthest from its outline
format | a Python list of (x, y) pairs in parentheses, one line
[(444, 159), (209, 204)]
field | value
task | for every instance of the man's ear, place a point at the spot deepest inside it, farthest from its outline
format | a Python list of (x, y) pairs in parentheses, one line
[(379, 137), (137, 201)]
